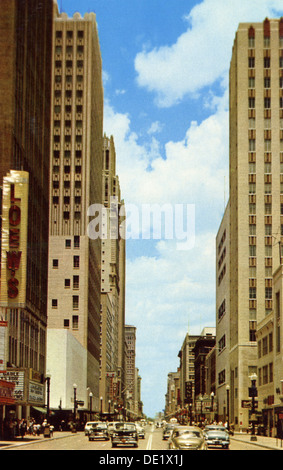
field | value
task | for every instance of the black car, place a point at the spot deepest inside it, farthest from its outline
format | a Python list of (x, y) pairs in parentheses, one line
[(125, 433)]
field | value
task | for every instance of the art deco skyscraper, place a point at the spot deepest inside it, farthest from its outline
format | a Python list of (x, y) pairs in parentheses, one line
[(76, 184), (256, 194)]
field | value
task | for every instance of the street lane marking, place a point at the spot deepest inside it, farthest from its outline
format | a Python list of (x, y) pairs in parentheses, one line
[(149, 444)]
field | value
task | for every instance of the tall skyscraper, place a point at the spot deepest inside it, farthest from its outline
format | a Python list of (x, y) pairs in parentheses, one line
[(76, 184), (130, 389), (256, 194), (25, 75), (112, 282)]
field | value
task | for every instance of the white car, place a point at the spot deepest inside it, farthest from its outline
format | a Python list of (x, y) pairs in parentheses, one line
[(88, 427)]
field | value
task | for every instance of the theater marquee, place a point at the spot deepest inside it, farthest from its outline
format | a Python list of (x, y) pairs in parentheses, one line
[(14, 239)]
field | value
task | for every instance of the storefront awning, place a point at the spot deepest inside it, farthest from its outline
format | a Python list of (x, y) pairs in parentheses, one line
[(41, 410)]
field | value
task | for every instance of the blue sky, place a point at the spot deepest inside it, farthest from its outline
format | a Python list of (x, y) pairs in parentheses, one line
[(165, 73)]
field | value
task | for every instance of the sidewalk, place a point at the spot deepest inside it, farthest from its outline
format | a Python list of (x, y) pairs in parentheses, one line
[(30, 439), (262, 441)]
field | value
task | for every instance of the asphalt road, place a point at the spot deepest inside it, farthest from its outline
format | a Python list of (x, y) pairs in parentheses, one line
[(153, 442)]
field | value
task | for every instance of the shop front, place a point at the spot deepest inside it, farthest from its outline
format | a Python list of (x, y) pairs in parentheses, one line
[(25, 391), (6, 399)]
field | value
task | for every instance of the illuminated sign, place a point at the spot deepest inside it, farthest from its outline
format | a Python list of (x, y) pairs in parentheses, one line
[(14, 239)]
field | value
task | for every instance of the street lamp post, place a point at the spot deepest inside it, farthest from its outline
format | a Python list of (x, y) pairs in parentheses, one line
[(201, 399), (228, 406), (253, 395), (101, 405), (212, 399), (75, 401), (109, 406), (47, 378), (90, 405)]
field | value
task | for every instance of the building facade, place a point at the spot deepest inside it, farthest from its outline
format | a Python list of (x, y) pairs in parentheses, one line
[(129, 392), (223, 313), (112, 283), (76, 158), (256, 192), (25, 76)]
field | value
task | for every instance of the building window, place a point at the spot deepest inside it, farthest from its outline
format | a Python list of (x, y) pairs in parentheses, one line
[(55, 263), (75, 302), (251, 103), (77, 241), (75, 320), (67, 283), (268, 292), (66, 323), (251, 62), (76, 262), (54, 303), (76, 282), (252, 292)]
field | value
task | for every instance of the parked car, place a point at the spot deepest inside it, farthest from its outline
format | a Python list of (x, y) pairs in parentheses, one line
[(217, 437), (88, 426), (98, 431), (167, 431), (187, 438), (125, 433)]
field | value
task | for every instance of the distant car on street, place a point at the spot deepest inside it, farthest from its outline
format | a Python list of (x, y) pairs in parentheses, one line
[(140, 430), (167, 431)]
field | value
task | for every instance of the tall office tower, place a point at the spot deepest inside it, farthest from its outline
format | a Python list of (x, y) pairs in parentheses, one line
[(130, 339), (256, 194), (187, 369), (76, 185), (112, 282), (223, 313), (25, 74)]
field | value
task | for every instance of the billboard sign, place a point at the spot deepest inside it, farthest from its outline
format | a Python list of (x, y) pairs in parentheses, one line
[(14, 239)]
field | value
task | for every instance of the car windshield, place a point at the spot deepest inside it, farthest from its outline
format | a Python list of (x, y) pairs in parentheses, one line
[(125, 427), (187, 434), (98, 426), (215, 428), (216, 432)]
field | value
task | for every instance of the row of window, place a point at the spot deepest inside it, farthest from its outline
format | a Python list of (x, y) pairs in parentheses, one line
[(266, 102), (76, 301), (266, 62), (268, 293), (76, 262), (67, 184), (69, 34)]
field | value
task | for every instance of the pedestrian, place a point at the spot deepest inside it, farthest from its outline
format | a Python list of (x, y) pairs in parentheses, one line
[(23, 428)]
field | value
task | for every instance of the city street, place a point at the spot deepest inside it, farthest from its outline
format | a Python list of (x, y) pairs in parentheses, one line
[(153, 441)]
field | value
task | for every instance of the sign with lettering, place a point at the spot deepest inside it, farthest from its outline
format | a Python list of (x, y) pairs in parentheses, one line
[(17, 377), (36, 393), (3, 342), (14, 239)]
